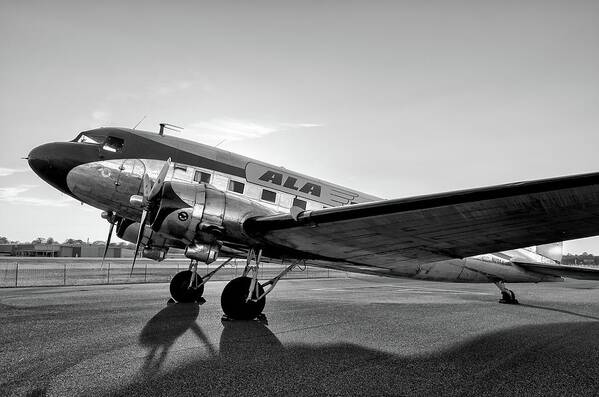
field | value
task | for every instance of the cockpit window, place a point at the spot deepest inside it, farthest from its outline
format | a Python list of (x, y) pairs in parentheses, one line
[(113, 144), (82, 138)]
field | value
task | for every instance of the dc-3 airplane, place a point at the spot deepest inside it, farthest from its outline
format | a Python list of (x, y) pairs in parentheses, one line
[(161, 191)]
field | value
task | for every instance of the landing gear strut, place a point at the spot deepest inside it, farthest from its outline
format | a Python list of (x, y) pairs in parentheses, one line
[(243, 298), (188, 286), (507, 295)]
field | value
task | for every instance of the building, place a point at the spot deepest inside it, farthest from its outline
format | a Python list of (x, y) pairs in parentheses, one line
[(59, 250)]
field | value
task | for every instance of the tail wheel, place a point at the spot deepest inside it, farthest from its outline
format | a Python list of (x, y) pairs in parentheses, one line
[(180, 290), (233, 300)]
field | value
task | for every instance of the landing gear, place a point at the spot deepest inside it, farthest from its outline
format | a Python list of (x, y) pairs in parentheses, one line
[(188, 286), (507, 295), (244, 297), (235, 303), (181, 290)]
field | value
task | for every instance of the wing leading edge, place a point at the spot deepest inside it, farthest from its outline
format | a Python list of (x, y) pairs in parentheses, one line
[(441, 226)]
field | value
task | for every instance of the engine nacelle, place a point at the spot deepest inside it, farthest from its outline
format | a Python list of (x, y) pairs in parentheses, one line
[(206, 253), (154, 253), (201, 214), (156, 246)]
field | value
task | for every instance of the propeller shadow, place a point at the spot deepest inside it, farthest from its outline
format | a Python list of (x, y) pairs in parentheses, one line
[(161, 331)]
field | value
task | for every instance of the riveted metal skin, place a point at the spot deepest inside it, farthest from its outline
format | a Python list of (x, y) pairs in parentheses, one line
[(203, 214)]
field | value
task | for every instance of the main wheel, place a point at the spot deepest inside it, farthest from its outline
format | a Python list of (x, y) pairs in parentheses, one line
[(508, 297), (180, 290), (233, 300)]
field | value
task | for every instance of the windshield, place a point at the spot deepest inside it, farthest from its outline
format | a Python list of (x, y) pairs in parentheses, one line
[(87, 138)]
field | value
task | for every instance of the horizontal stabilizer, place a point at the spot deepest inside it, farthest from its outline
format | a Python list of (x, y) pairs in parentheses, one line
[(580, 273)]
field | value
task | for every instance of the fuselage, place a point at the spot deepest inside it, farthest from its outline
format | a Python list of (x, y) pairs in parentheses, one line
[(104, 168)]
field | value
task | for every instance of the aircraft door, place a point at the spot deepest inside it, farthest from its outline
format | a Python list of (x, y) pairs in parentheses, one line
[(130, 177)]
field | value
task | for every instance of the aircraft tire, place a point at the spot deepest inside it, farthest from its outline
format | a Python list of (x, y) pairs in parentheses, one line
[(232, 300), (180, 291)]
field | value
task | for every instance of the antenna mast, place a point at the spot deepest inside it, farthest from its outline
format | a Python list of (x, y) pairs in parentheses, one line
[(142, 119)]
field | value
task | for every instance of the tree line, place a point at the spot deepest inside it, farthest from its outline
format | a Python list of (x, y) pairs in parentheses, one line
[(69, 241)]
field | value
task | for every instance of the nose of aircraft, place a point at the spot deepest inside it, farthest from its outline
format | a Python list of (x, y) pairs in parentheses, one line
[(52, 162), (38, 160)]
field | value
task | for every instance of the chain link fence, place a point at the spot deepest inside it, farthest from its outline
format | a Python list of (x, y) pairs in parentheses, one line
[(28, 272)]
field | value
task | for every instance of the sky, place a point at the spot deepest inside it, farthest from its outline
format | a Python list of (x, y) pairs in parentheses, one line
[(392, 98)]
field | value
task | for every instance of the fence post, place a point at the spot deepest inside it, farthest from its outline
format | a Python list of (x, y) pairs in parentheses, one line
[(17, 275), (64, 275), (108, 280)]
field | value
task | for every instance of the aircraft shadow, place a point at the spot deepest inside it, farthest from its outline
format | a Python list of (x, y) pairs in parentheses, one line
[(549, 359), (161, 331)]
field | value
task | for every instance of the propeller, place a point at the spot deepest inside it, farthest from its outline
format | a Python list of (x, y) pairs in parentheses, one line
[(112, 220), (107, 244), (149, 200)]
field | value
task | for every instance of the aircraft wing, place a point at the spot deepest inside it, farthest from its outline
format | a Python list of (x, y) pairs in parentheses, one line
[(582, 273), (440, 226)]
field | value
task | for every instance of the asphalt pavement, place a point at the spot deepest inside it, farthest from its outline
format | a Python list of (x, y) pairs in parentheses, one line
[(355, 336)]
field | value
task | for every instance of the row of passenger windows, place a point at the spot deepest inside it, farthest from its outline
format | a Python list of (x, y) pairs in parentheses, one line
[(270, 196), (266, 195)]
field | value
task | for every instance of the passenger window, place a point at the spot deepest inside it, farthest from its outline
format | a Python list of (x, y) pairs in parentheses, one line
[(113, 144), (299, 203), (202, 177), (236, 187), (180, 172), (268, 195)]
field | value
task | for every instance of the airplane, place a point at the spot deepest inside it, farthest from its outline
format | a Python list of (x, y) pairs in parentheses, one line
[(161, 191)]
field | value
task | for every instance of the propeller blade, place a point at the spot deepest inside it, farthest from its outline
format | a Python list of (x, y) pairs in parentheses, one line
[(147, 186), (160, 181), (107, 243), (142, 225)]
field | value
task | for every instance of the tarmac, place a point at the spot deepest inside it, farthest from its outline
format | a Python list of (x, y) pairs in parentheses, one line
[(348, 336)]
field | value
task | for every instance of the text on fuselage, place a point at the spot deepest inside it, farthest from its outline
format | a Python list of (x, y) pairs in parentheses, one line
[(290, 182)]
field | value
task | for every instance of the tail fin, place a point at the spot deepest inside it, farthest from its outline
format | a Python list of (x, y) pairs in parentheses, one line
[(553, 251)]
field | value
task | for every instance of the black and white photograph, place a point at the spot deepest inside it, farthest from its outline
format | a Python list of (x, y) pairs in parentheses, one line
[(299, 198)]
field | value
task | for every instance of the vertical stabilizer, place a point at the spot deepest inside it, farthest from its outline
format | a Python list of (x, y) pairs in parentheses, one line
[(552, 251)]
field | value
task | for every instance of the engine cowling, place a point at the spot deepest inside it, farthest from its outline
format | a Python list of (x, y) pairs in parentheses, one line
[(154, 253), (156, 246), (203, 215)]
